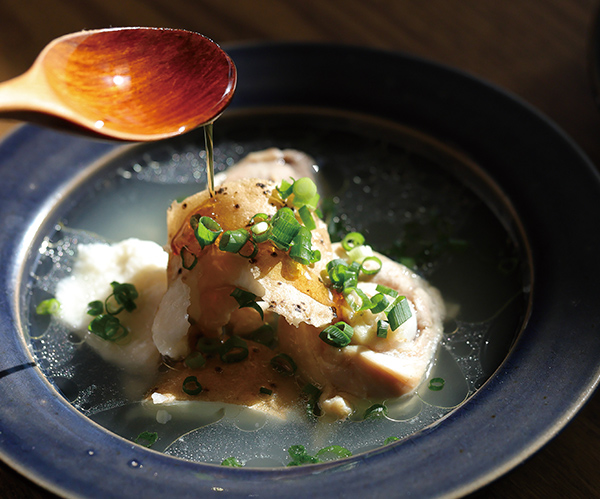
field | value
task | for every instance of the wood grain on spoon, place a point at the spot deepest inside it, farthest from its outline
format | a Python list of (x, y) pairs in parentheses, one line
[(127, 83)]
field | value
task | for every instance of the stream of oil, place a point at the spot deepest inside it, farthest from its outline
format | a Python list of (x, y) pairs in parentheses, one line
[(210, 158)]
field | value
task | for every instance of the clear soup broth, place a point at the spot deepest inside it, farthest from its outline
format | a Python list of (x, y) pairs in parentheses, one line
[(415, 200)]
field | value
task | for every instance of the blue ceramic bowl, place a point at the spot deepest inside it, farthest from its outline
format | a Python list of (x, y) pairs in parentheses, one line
[(548, 374)]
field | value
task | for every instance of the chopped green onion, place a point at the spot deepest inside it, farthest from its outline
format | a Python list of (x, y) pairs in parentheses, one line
[(351, 277), (284, 364), (233, 241), (48, 307), (188, 259), (265, 391), (124, 295), (337, 335), (251, 244), (353, 300), (436, 384), (352, 240), (191, 386), (258, 219), (265, 335), (285, 189), (387, 291), (336, 269), (306, 217), (382, 329), (312, 404), (301, 250), (195, 360), (300, 457), (232, 462), (304, 189), (107, 327), (376, 411), (284, 228), (235, 349), (380, 303), (260, 232), (146, 438), (208, 345), (367, 303), (333, 452), (205, 229), (371, 271), (246, 299), (399, 313), (389, 440), (359, 253), (95, 307)]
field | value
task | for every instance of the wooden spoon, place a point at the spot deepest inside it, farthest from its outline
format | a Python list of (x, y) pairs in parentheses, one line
[(134, 84)]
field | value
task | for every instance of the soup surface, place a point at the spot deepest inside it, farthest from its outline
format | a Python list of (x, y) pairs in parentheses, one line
[(414, 200)]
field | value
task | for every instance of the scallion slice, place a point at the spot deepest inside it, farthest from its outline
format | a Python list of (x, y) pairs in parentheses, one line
[(359, 253), (249, 250), (351, 277), (124, 295), (338, 335), (147, 438), (265, 391), (285, 189), (387, 291), (314, 394), (301, 249), (205, 229), (191, 386), (260, 232), (235, 349), (188, 259), (107, 327), (208, 345), (382, 328), (352, 240), (247, 299), (436, 384), (399, 313), (259, 218), (304, 190), (233, 241), (50, 306), (299, 456), (232, 462), (380, 303), (284, 228), (374, 266), (95, 307), (336, 269), (376, 411), (306, 217), (284, 364)]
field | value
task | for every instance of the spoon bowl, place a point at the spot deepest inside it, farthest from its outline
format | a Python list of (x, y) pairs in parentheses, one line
[(135, 84)]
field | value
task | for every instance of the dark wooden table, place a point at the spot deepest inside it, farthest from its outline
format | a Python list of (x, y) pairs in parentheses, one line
[(536, 49)]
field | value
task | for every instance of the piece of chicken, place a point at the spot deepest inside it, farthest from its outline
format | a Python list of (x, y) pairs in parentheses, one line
[(371, 367), (202, 293), (198, 303)]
